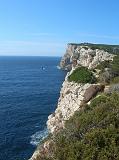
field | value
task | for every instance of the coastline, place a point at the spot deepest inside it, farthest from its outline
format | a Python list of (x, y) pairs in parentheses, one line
[(73, 95)]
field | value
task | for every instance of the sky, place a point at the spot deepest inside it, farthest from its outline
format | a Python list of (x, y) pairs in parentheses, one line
[(44, 27)]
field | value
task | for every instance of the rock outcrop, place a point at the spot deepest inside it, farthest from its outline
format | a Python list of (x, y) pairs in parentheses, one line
[(71, 97), (74, 95), (84, 55)]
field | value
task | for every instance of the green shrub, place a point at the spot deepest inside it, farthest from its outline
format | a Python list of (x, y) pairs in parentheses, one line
[(91, 134), (115, 65), (103, 65), (98, 100), (109, 70), (115, 80), (82, 75)]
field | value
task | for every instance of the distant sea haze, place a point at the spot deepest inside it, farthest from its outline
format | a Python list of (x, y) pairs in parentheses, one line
[(29, 91)]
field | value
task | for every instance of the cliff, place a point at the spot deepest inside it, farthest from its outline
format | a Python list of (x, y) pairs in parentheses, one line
[(86, 54), (75, 95), (72, 96)]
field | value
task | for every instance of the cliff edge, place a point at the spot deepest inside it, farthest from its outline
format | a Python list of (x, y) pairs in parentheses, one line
[(87, 54), (88, 58), (72, 94)]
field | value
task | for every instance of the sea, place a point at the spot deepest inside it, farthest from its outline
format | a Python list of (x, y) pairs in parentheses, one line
[(29, 91)]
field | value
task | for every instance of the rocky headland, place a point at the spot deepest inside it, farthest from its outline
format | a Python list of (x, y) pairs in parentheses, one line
[(75, 94), (84, 54)]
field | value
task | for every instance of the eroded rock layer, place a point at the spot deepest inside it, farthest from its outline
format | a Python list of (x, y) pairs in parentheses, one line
[(74, 95), (83, 55)]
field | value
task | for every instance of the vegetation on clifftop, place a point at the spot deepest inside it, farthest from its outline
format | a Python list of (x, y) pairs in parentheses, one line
[(109, 70), (91, 134), (82, 75)]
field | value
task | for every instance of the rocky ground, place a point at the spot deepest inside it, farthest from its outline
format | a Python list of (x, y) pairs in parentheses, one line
[(73, 95), (84, 56)]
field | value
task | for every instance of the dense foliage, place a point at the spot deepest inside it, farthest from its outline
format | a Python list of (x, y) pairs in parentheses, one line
[(115, 80), (91, 134), (109, 70), (103, 65), (115, 65), (82, 75)]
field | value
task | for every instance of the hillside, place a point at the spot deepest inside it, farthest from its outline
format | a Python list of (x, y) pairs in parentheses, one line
[(77, 53), (85, 124)]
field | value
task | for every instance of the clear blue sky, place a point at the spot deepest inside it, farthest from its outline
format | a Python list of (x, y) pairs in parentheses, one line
[(44, 27)]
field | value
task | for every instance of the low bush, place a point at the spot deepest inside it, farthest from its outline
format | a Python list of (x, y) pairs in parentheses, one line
[(103, 65), (109, 70), (115, 80), (91, 134), (115, 65), (82, 75)]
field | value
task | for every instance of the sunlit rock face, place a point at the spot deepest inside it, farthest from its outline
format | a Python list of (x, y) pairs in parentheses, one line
[(83, 55), (72, 96)]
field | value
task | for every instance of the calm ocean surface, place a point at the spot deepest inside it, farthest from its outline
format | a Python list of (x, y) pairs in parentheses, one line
[(29, 90)]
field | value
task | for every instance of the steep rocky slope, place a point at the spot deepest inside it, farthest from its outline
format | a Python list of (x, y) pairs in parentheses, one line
[(74, 95), (85, 55)]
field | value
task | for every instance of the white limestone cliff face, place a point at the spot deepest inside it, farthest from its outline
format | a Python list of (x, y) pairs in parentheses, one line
[(83, 55), (73, 95), (69, 101)]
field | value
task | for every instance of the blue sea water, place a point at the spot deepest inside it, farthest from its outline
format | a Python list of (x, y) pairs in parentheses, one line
[(29, 90)]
